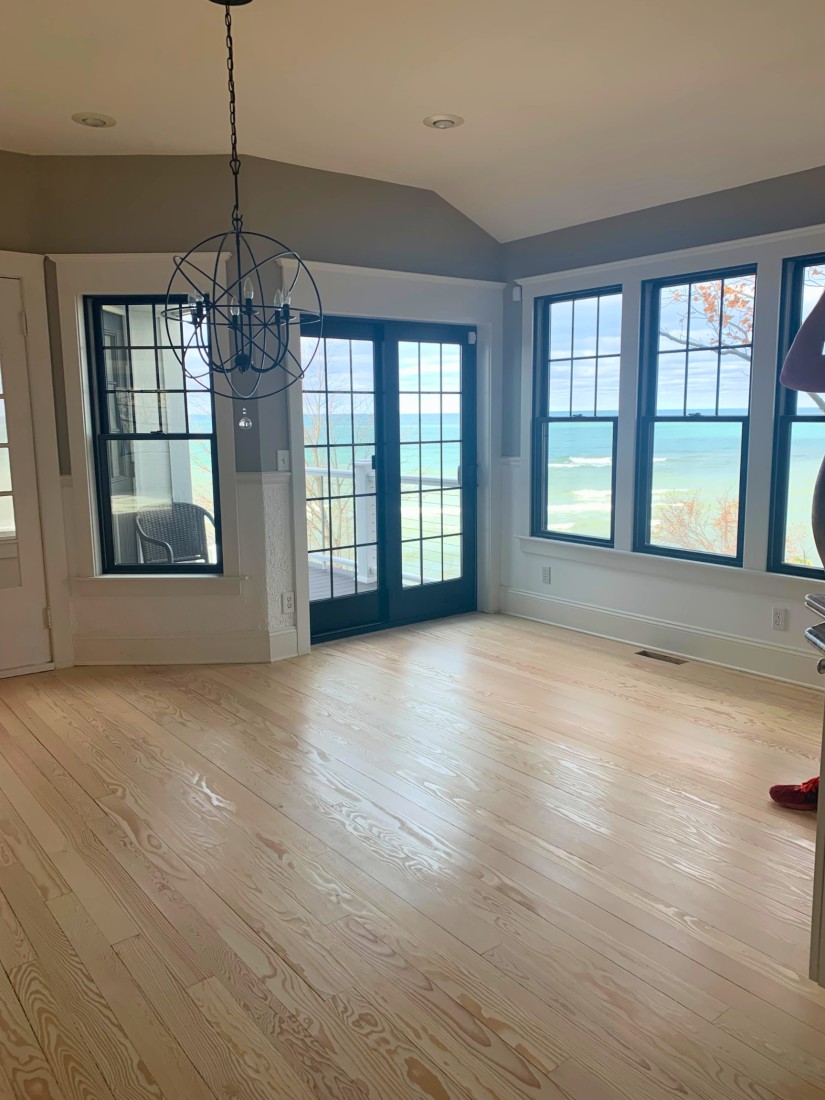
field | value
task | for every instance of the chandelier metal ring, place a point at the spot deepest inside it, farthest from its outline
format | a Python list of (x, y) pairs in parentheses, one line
[(226, 330)]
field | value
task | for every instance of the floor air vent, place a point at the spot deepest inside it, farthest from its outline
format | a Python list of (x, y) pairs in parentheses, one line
[(661, 657)]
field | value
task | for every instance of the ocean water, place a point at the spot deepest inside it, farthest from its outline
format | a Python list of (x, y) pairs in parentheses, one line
[(695, 484), (430, 444), (696, 469)]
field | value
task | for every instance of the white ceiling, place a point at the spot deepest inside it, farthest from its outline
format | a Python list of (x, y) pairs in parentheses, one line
[(575, 110)]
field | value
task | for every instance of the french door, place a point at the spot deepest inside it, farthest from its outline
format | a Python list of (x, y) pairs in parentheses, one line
[(390, 452)]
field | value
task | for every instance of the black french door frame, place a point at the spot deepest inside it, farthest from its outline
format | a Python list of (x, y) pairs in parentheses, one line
[(393, 603)]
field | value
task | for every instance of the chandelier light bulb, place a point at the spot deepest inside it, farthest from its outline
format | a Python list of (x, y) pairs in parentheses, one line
[(234, 307), (248, 290)]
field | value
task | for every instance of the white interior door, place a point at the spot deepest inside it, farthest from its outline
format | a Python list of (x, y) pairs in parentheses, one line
[(25, 644)]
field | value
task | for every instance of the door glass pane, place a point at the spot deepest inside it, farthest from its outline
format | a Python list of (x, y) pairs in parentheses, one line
[(339, 441), (451, 548), (807, 450), (431, 561), (450, 416), (5, 471), (411, 564), (451, 368), (162, 504), (431, 518), (695, 486), (580, 478), (431, 427)]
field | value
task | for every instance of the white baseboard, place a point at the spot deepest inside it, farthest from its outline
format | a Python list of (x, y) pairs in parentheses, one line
[(251, 647), (796, 666), (25, 670), (283, 644)]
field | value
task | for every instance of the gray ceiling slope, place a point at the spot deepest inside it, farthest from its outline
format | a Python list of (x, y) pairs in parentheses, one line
[(164, 204)]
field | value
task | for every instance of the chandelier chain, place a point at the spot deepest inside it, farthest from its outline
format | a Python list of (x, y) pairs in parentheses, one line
[(235, 160)]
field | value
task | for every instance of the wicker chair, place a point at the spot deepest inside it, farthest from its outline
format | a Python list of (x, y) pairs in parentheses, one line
[(174, 533)]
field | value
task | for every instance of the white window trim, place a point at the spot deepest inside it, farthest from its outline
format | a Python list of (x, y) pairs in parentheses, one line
[(77, 277), (769, 253)]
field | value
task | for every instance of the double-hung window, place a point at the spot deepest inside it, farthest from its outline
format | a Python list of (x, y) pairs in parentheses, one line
[(693, 423), (154, 441), (576, 396), (800, 432)]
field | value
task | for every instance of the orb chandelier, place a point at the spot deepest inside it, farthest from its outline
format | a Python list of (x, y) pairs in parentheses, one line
[(226, 335)]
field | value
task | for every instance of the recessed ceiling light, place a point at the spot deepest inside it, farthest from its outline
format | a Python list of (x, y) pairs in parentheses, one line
[(96, 122), (443, 122)]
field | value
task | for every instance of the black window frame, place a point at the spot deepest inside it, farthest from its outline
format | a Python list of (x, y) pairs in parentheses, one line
[(647, 419), (786, 415), (102, 436), (541, 419)]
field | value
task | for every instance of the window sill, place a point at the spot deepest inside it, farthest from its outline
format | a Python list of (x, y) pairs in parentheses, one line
[(729, 577), (136, 584), (8, 548)]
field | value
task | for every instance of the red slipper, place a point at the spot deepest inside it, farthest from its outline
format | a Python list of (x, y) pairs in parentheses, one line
[(797, 796)]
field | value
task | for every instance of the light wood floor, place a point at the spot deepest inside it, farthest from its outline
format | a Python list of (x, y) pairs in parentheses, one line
[(480, 859)]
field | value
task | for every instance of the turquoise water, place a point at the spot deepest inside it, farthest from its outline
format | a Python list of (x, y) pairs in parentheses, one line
[(695, 474), (351, 438), (695, 484)]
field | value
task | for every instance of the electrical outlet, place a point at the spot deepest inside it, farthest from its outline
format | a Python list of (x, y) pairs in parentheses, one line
[(283, 462), (546, 574), (288, 603), (780, 618)]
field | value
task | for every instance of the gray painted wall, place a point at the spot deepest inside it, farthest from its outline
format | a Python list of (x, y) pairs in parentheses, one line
[(17, 203), (167, 204)]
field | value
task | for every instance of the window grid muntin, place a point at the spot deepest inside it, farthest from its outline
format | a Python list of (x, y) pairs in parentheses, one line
[(649, 416), (788, 415), (104, 435), (543, 417)]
